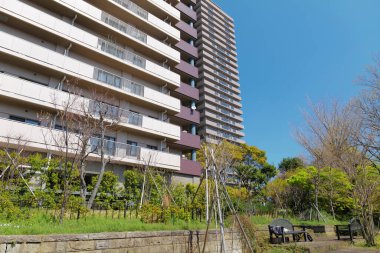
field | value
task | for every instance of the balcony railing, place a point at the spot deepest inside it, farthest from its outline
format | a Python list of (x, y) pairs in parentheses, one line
[(133, 7), (115, 113), (124, 27), (121, 53), (113, 148), (118, 82)]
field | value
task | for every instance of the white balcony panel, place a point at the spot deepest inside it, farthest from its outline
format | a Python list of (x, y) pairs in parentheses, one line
[(163, 73), (160, 24), (143, 15), (167, 8), (41, 139), (16, 88), (161, 126), (73, 67), (91, 11), (77, 35), (161, 159)]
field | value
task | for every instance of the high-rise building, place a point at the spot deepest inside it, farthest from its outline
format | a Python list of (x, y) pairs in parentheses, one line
[(220, 100), (140, 53)]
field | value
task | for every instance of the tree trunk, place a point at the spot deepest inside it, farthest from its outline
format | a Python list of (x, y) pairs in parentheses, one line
[(64, 202), (83, 185), (66, 176), (332, 208), (96, 187), (102, 169), (368, 227), (143, 188)]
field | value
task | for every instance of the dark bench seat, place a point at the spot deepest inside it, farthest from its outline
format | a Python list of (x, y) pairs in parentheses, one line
[(280, 228), (353, 228)]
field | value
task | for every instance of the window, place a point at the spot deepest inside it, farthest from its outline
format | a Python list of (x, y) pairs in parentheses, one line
[(24, 120), (109, 145), (132, 143), (16, 118), (109, 78), (151, 147), (132, 148)]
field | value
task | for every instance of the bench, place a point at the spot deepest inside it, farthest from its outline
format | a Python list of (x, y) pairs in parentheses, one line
[(350, 230), (280, 228)]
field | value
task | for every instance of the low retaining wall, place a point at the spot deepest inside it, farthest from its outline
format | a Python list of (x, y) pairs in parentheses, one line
[(126, 242)]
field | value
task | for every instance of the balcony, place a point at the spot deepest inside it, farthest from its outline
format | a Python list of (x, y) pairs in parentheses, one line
[(93, 46), (118, 153), (161, 9), (137, 16), (188, 141), (43, 96), (187, 69), (185, 91), (187, 11), (21, 49), (187, 116), (189, 167), (97, 21), (187, 48), (187, 29)]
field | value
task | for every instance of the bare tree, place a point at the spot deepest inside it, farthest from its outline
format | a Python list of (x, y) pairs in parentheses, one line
[(107, 116), (368, 107), (75, 126), (331, 138), (63, 142)]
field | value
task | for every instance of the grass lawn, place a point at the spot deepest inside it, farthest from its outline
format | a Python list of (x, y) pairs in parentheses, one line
[(43, 224), (266, 220), (377, 240)]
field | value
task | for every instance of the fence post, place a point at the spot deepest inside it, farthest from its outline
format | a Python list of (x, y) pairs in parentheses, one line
[(125, 209)]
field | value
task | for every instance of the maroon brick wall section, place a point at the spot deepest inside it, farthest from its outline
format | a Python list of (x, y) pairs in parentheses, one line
[(190, 167)]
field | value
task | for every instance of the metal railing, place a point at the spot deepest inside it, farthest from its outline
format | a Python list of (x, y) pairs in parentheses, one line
[(122, 53), (133, 7), (113, 148), (124, 27), (118, 82), (115, 113)]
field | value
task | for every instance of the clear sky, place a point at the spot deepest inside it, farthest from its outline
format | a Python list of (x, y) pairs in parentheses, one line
[(294, 51)]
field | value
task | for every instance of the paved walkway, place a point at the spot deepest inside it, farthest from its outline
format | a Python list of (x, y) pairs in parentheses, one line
[(332, 245), (355, 250)]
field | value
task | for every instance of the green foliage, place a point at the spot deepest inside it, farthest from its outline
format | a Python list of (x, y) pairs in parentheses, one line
[(8, 210), (108, 189), (253, 171), (335, 191), (133, 181), (290, 163), (240, 197), (155, 188), (295, 190), (151, 213)]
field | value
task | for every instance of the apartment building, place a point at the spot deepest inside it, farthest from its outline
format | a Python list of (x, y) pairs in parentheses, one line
[(140, 53), (220, 100)]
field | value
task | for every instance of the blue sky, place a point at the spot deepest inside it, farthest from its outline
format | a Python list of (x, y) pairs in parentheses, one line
[(291, 52)]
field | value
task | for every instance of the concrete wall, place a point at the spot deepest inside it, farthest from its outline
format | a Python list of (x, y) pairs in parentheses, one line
[(131, 242)]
